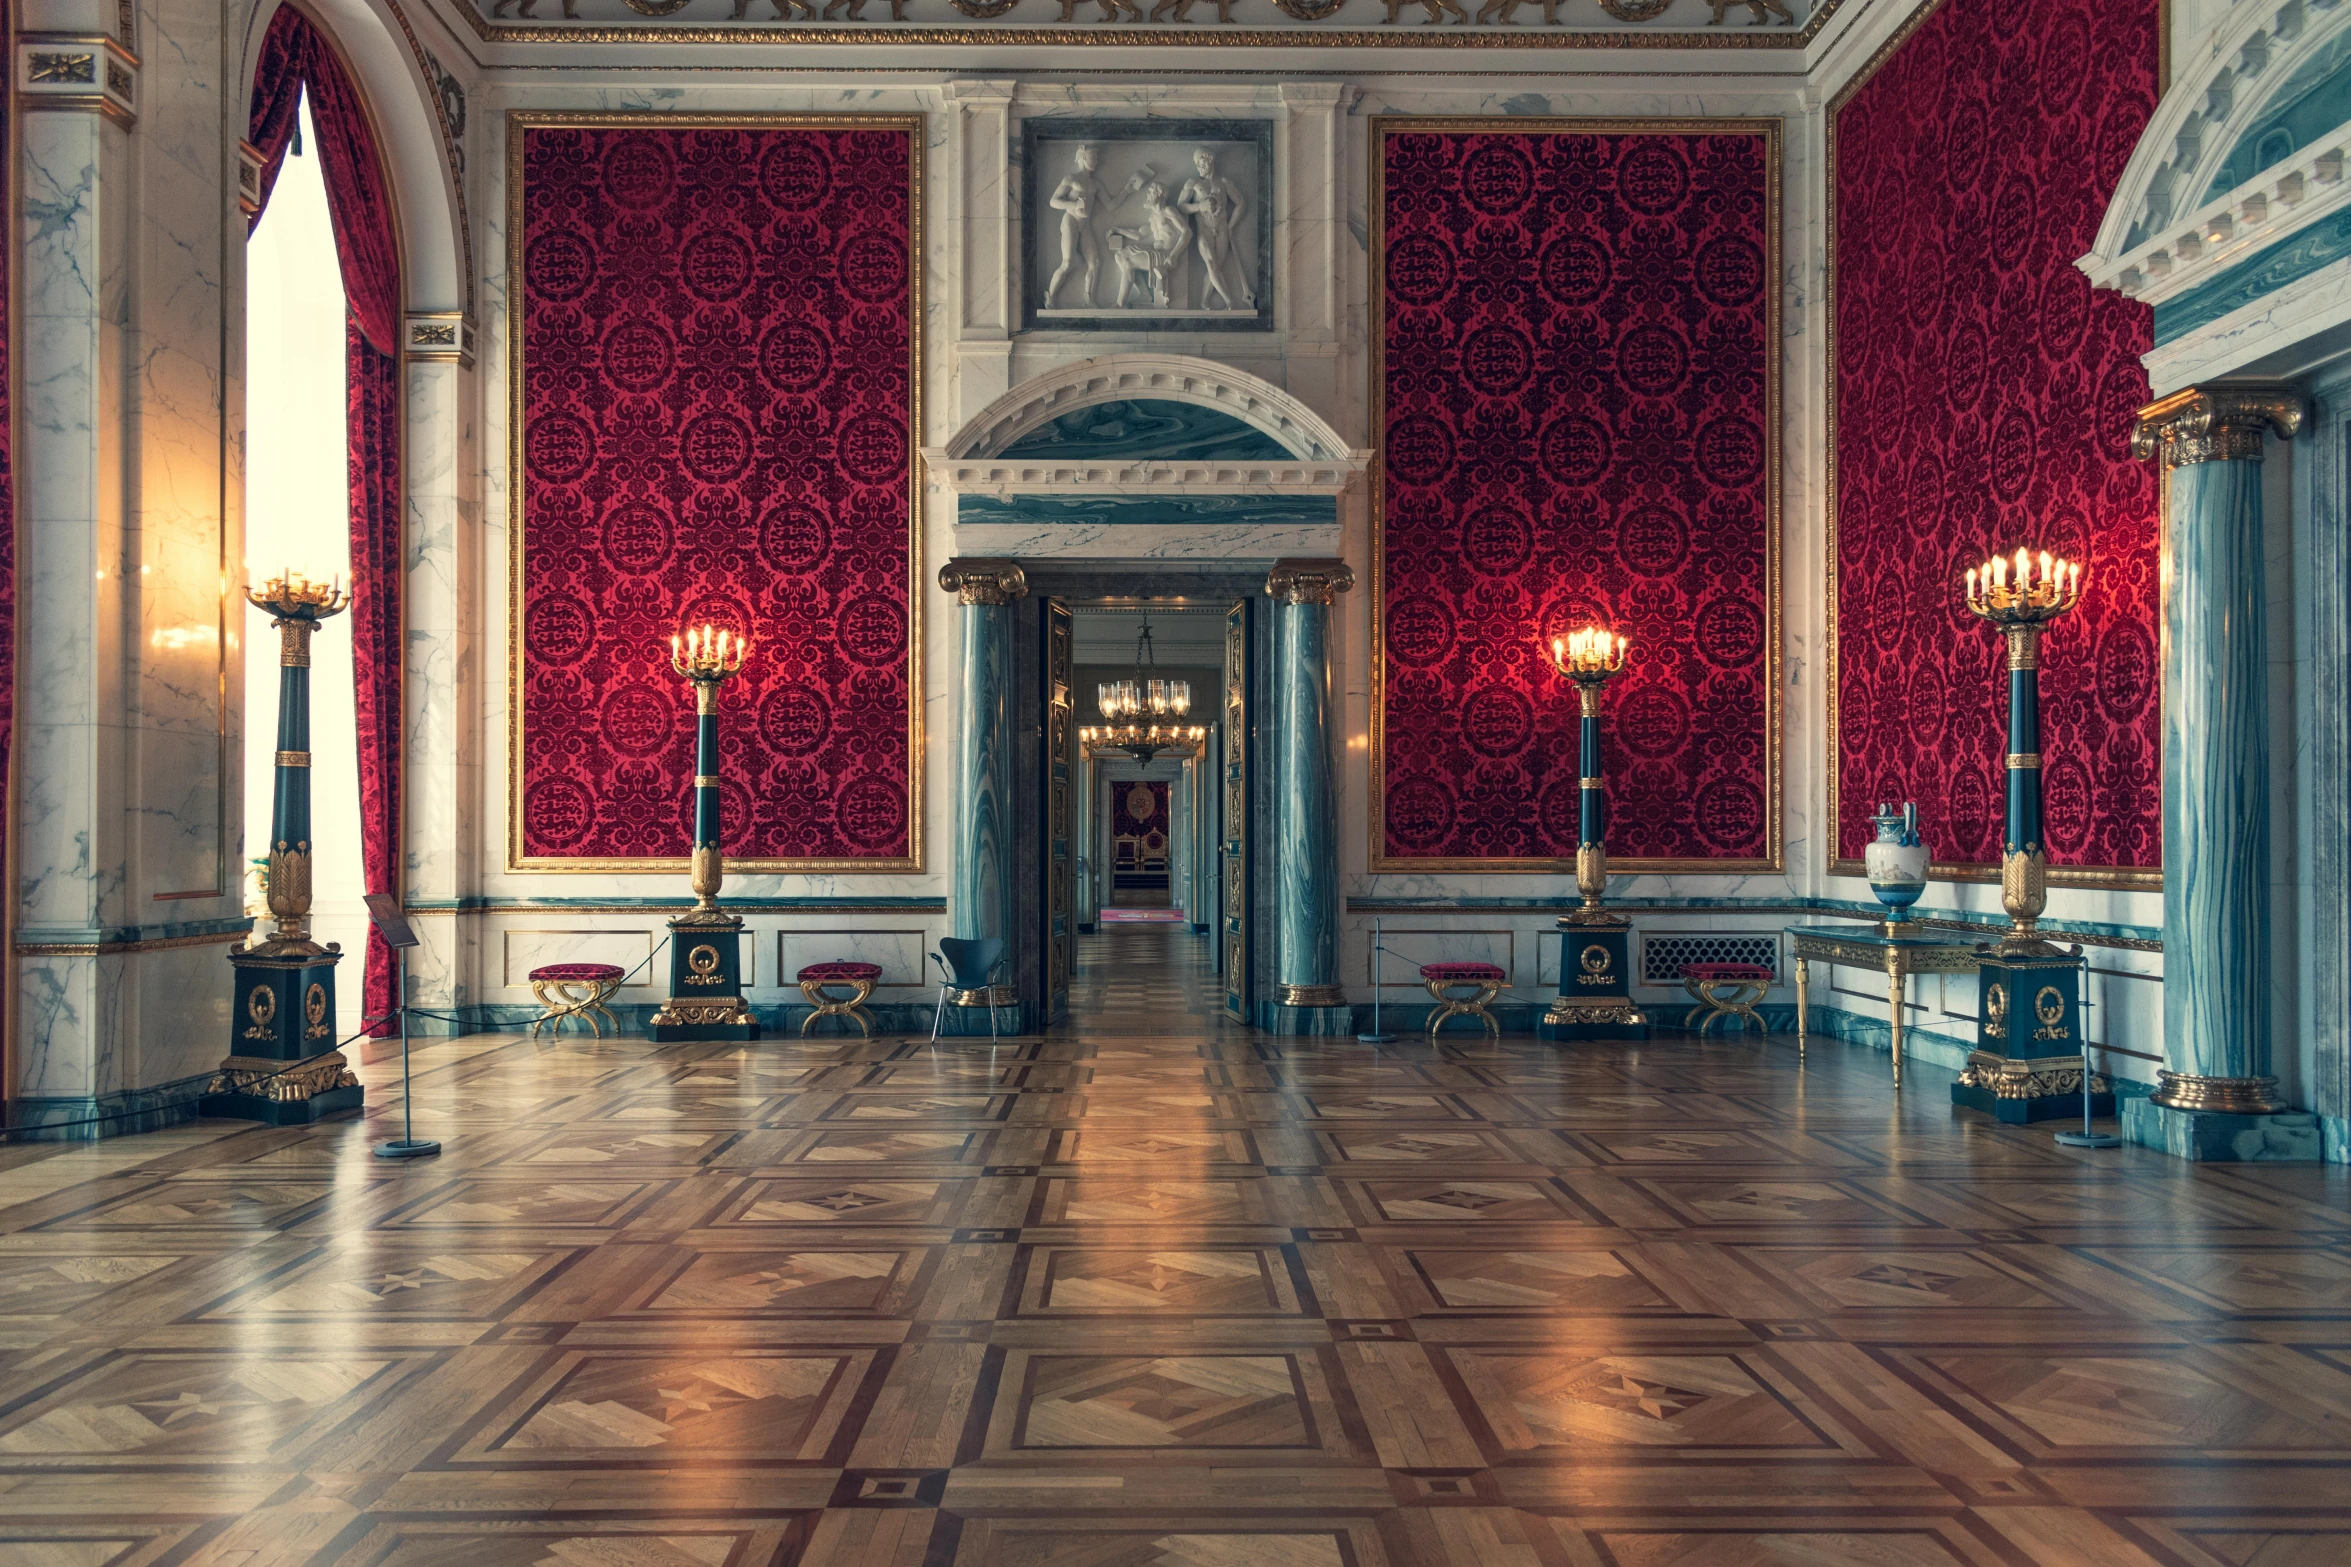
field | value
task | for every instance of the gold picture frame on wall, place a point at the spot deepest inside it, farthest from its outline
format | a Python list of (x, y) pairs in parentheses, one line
[(2114, 878), (516, 123), (1774, 857)]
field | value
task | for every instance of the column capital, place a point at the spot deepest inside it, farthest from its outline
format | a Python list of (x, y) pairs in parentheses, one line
[(1309, 581), (977, 580), (2219, 423)]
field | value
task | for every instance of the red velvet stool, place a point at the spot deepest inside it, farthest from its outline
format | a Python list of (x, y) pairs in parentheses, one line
[(1725, 990), (574, 990), (859, 977), (1444, 978)]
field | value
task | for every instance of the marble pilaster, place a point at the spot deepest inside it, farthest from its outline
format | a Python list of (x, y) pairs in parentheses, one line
[(2215, 1098), (983, 901), (1308, 998), (440, 854)]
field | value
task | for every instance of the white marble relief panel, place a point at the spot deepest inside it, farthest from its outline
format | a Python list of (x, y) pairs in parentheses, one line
[(1137, 225)]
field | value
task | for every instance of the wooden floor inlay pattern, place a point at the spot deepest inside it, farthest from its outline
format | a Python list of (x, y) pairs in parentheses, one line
[(1156, 1290)]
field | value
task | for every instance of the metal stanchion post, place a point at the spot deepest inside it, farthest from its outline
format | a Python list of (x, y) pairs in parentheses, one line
[(1378, 946), (393, 925)]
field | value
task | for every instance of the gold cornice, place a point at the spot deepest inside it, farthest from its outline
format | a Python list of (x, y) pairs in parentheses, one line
[(1709, 38), (1774, 857), (519, 120), (2224, 422)]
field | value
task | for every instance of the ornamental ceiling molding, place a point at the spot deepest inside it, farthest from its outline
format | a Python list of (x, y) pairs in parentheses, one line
[(969, 463), (1122, 23), (2153, 245)]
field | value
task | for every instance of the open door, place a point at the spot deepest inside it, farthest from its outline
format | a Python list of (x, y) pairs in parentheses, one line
[(1058, 804), (1237, 990)]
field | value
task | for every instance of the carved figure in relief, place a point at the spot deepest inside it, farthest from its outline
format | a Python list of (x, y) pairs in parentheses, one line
[(1505, 12), (1110, 10), (1756, 10), (783, 9), (1183, 9), (1437, 11), (856, 11), (571, 9), (1076, 198), (1217, 207), (1144, 254)]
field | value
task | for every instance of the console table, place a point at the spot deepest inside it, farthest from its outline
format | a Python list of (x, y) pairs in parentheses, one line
[(1869, 947)]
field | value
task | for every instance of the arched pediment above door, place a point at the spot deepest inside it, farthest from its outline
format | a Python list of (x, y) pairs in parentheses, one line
[(2237, 185), (1147, 455)]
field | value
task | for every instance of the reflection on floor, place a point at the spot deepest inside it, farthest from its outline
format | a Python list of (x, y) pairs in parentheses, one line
[(1158, 1290)]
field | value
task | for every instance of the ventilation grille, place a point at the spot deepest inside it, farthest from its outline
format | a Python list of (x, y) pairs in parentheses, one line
[(1662, 957)]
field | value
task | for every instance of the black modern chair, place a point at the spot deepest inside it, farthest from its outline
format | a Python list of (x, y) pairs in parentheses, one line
[(967, 968)]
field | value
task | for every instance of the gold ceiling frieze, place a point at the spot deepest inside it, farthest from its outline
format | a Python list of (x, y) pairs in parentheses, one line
[(1494, 28)]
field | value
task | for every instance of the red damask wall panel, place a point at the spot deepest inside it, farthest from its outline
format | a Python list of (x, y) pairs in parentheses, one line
[(1578, 388), (716, 336), (1983, 399)]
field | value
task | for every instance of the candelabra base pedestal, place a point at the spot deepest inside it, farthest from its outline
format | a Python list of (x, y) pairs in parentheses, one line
[(2023, 1089), (282, 1067), (705, 983), (2027, 1064), (1595, 998)]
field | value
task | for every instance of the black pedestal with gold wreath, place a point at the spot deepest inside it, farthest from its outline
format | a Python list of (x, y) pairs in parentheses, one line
[(282, 1066)]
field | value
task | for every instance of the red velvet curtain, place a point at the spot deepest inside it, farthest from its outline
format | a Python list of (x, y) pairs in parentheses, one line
[(294, 56)]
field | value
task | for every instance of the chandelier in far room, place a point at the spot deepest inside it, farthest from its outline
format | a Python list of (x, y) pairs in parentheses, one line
[(1143, 695)]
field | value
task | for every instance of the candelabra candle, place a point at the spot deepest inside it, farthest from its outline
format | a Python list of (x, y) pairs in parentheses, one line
[(2021, 594), (1591, 658)]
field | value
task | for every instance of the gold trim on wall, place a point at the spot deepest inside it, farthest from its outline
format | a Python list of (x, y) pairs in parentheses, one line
[(1147, 37), (2109, 877), (521, 120), (1383, 126)]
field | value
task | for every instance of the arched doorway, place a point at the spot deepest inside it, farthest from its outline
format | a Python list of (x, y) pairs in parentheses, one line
[(1127, 480)]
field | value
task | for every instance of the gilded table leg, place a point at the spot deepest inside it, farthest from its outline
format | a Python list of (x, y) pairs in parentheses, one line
[(1894, 978), (1803, 1005)]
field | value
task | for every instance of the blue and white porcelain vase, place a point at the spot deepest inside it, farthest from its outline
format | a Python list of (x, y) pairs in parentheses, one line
[(1896, 863)]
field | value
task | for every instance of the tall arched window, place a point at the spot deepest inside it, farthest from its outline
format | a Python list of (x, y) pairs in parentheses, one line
[(297, 455), (301, 81)]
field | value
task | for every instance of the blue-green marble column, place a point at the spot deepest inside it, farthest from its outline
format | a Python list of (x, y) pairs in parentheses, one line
[(1308, 998), (2216, 1097), (984, 901)]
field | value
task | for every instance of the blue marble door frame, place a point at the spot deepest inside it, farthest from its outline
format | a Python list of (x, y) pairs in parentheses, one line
[(1307, 995), (983, 899)]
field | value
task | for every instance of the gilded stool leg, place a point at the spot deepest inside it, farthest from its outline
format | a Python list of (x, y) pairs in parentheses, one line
[(547, 1012), (1487, 991), (1697, 1015), (604, 992), (828, 1005), (1442, 1010)]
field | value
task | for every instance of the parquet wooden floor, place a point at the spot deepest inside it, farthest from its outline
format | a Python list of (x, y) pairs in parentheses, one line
[(1158, 1291)]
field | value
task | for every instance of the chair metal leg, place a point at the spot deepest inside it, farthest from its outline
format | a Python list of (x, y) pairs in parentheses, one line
[(940, 1016), (991, 1016)]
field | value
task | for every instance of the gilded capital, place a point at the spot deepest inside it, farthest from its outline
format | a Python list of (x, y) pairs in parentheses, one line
[(2221, 423), (1309, 581), (974, 580)]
